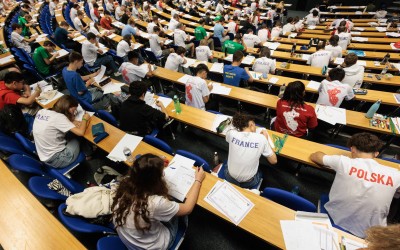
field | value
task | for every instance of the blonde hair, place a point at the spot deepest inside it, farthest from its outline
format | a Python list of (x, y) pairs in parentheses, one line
[(203, 42), (383, 238)]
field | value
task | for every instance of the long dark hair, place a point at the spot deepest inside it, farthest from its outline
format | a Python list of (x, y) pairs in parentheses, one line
[(64, 104), (294, 94), (145, 178)]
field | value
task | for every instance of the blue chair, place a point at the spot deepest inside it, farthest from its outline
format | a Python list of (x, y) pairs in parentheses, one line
[(27, 144), (160, 144), (338, 146), (288, 199), (391, 159), (108, 117), (214, 112), (153, 58), (26, 164), (12, 146), (198, 160), (73, 186), (90, 68), (162, 95), (38, 186), (87, 106), (80, 225), (33, 71), (111, 242)]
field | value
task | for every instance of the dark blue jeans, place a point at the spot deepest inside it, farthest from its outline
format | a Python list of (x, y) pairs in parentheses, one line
[(250, 184)]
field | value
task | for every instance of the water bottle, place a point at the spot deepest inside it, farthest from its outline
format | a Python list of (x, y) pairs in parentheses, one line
[(384, 70), (385, 59), (295, 190), (177, 105), (372, 110), (282, 90), (128, 154), (311, 42), (264, 75), (216, 158), (324, 70)]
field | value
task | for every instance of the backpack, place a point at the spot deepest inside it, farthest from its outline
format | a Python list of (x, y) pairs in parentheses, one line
[(13, 120)]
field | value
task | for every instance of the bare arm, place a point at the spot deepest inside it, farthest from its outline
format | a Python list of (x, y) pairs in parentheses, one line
[(187, 207), (272, 158), (318, 157), (80, 131)]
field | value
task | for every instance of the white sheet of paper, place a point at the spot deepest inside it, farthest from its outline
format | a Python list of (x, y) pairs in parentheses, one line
[(248, 60), (271, 46), (229, 201), (99, 76), (315, 218), (327, 239), (112, 36), (393, 34), (217, 67), (313, 85), (355, 33), (62, 52), (229, 58), (352, 244), (221, 90), (6, 59), (184, 79), (42, 84), (45, 102), (81, 112), (218, 119), (130, 141), (358, 28), (338, 60), (299, 235), (331, 115), (361, 63), (360, 39), (112, 87), (311, 27), (79, 38), (273, 80), (165, 101), (305, 57), (393, 47), (179, 176), (380, 29), (189, 62), (145, 35)]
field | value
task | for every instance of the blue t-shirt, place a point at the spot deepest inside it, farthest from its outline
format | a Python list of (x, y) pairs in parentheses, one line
[(233, 75), (75, 84), (128, 30), (219, 31)]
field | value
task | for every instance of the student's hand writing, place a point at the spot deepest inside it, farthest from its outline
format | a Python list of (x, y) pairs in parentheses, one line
[(86, 116), (159, 104), (200, 175), (38, 90)]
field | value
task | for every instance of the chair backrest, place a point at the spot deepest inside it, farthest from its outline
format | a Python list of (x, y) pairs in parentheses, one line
[(33, 71), (87, 106), (27, 144), (108, 117), (111, 242), (10, 145), (391, 159), (198, 160), (26, 164), (214, 112), (69, 184), (338, 146), (288, 199), (160, 144)]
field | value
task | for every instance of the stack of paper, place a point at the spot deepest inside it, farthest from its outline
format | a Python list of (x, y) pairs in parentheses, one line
[(229, 201), (145, 35), (273, 80), (217, 67), (311, 27), (393, 34), (220, 90), (112, 87), (362, 63), (136, 45), (355, 33), (218, 119), (6, 59), (331, 115), (129, 141), (360, 39), (358, 13), (229, 58), (100, 75), (293, 35), (358, 28), (248, 60), (112, 36), (79, 38), (179, 176), (380, 29), (271, 46), (313, 85), (189, 62), (305, 57), (80, 112), (393, 47), (184, 79), (62, 52), (350, 244), (373, 24)]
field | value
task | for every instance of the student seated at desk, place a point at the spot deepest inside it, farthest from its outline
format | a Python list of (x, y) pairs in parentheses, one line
[(180, 39), (45, 57), (334, 47), (4, 72), (230, 47), (233, 25), (129, 29), (157, 43), (173, 22), (203, 52), (196, 89), (18, 40), (277, 30), (289, 26), (380, 13), (321, 57), (74, 11), (363, 189), (110, 6), (155, 22), (50, 129), (63, 37), (264, 64), (26, 22), (251, 40), (79, 89), (344, 37), (293, 116), (354, 73), (332, 91), (13, 90), (143, 215), (90, 48), (245, 148), (138, 118), (119, 11), (79, 26), (124, 46), (131, 71), (219, 30), (233, 73), (264, 33), (105, 21), (176, 59), (313, 18), (200, 33)]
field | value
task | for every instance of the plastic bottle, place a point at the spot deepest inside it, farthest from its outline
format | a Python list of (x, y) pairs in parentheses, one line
[(324, 70), (282, 90), (296, 190), (384, 70), (177, 105), (128, 154), (372, 110), (385, 59), (216, 158), (311, 42)]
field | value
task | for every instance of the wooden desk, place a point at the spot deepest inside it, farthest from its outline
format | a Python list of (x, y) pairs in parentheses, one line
[(25, 222), (368, 34), (3, 40), (354, 119), (361, 20)]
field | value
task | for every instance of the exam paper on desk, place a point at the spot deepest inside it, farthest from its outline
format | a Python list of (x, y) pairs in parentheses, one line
[(129, 141), (331, 115)]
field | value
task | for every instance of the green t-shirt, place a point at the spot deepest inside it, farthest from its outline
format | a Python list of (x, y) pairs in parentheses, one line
[(38, 57), (25, 30), (231, 46), (200, 33)]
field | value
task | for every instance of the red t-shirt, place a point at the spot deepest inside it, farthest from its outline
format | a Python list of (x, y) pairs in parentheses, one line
[(7, 96), (105, 23), (294, 121)]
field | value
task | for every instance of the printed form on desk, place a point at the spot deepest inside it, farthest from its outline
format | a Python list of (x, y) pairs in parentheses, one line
[(179, 176), (217, 67), (218, 119), (129, 141), (331, 115), (81, 112), (219, 89), (229, 201)]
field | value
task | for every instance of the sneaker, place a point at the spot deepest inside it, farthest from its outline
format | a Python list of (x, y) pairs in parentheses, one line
[(117, 74), (168, 123)]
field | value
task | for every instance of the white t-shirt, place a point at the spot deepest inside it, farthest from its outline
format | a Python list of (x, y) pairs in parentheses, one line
[(288, 28), (354, 75), (344, 40), (336, 51), (361, 193), (231, 26), (89, 52), (123, 48), (131, 72), (110, 7), (203, 53), (173, 61), (320, 58), (245, 149), (160, 210), (19, 42), (73, 13), (93, 16), (219, 8), (118, 13), (196, 89), (276, 32), (264, 65), (311, 20), (49, 129), (93, 29), (155, 44), (180, 37), (250, 40), (263, 35), (333, 93), (52, 8), (172, 24), (380, 14), (77, 23), (299, 25), (253, 6), (150, 27)]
